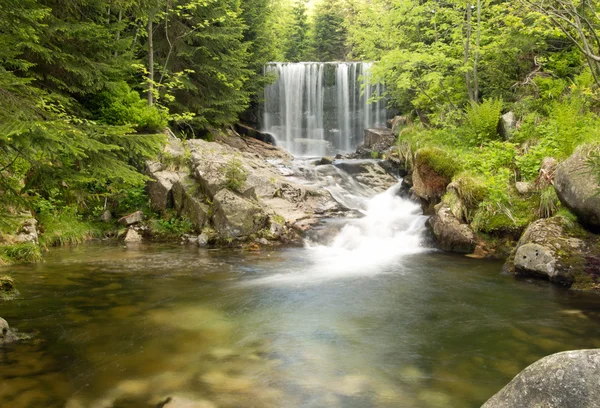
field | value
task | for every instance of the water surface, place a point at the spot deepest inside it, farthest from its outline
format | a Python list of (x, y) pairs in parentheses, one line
[(129, 327)]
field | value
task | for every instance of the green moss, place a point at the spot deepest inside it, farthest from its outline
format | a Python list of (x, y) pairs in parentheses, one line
[(440, 161), (20, 253), (8, 291)]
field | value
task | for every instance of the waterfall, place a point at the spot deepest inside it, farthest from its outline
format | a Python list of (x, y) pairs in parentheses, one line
[(319, 108)]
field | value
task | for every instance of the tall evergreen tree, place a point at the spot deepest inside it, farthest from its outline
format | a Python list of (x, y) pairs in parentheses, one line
[(329, 32)]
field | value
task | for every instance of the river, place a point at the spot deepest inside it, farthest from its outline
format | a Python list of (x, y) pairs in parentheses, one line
[(118, 326)]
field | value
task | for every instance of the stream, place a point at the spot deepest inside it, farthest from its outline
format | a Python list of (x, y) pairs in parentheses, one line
[(369, 317)]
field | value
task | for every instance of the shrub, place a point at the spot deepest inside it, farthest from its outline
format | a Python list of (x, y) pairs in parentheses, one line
[(549, 203), (171, 226), (482, 120), (235, 175)]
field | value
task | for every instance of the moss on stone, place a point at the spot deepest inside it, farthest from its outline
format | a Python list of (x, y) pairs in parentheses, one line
[(8, 290)]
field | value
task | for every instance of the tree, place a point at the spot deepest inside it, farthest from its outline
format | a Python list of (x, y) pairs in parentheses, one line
[(329, 32), (298, 41)]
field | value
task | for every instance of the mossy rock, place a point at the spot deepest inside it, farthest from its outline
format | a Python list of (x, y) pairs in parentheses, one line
[(8, 291)]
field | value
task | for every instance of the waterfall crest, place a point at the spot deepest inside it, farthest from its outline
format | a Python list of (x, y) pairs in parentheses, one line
[(319, 108)]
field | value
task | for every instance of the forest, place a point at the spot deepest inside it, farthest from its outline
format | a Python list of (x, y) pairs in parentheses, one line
[(88, 86)]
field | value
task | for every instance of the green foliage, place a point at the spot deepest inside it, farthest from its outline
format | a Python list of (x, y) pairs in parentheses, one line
[(549, 203), (62, 225), (298, 41), (483, 120), (20, 253), (171, 226), (235, 174), (329, 33), (120, 105)]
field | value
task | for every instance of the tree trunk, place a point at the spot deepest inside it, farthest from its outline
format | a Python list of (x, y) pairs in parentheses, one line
[(150, 61), (476, 63)]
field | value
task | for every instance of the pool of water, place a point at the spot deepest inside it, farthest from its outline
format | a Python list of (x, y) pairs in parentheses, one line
[(119, 326)]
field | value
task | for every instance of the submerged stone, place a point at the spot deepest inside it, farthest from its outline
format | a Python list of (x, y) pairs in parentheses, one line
[(8, 290)]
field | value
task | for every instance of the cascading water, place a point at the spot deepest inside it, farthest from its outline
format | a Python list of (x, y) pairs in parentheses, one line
[(316, 108)]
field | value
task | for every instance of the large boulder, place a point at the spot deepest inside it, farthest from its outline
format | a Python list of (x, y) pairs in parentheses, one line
[(451, 235), (553, 249), (235, 216), (397, 123), (577, 188), (380, 138), (131, 219), (189, 202), (570, 379), (7, 336), (369, 173), (429, 184)]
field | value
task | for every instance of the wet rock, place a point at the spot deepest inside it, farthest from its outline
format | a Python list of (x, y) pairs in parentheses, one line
[(132, 236), (8, 291), (567, 379), (507, 125), (451, 235), (369, 173), (428, 184), (236, 216), (524, 188), (132, 219), (203, 240), (7, 336), (326, 160), (577, 188), (189, 202), (182, 402)]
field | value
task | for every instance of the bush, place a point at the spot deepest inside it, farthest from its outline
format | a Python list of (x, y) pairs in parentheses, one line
[(171, 226), (120, 105), (65, 227), (482, 120), (235, 175)]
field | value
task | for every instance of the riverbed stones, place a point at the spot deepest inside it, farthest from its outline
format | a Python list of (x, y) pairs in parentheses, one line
[(577, 188), (131, 219), (562, 380), (450, 233)]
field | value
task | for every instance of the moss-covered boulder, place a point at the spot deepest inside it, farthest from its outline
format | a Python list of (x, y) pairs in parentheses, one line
[(560, 251), (235, 216), (8, 290), (432, 172), (451, 235)]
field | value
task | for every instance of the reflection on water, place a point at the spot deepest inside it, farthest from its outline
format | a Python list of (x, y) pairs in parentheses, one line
[(121, 327)]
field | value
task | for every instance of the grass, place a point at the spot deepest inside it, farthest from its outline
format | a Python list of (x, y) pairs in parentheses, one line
[(20, 253), (64, 228)]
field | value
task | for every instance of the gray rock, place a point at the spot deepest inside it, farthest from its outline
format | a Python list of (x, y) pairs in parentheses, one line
[(236, 216), (577, 188), (547, 250), (8, 291), (106, 216), (28, 232), (326, 160), (160, 189), (570, 379), (369, 173), (132, 218), (190, 202), (524, 188), (379, 137), (7, 336), (203, 240), (450, 233), (397, 124), (507, 125), (133, 236)]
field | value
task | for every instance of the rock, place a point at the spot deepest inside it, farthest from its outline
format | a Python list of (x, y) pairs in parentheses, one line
[(506, 125), (567, 379), (160, 189), (203, 239), (397, 124), (369, 173), (106, 216), (428, 184), (524, 188), (182, 402), (236, 216), (577, 188), (451, 235), (190, 202), (7, 336), (8, 291), (133, 236), (326, 160), (28, 232), (131, 219), (379, 137), (549, 250), (255, 134)]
